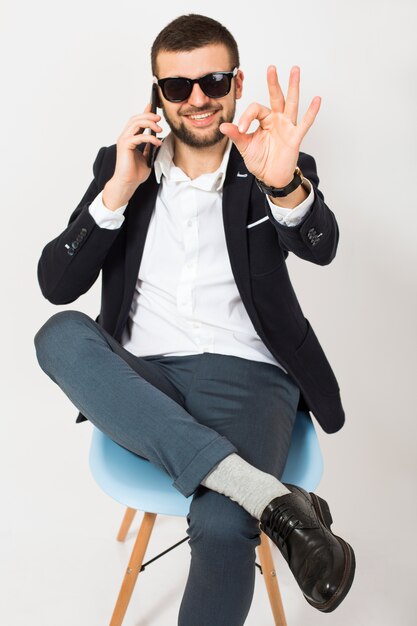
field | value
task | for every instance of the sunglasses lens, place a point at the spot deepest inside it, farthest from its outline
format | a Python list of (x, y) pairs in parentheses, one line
[(215, 85), (177, 89)]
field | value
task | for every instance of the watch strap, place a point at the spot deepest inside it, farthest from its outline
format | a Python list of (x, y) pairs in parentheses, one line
[(281, 192)]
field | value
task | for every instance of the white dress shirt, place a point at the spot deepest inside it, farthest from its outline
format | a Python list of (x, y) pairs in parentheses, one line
[(186, 300)]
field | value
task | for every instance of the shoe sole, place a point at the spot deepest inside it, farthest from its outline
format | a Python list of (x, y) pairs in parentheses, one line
[(323, 512)]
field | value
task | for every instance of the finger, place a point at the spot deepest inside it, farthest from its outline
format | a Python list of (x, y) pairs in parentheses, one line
[(146, 115), (137, 140), (255, 111), (144, 150), (241, 140), (291, 104), (276, 97), (310, 115), (140, 125), (142, 116)]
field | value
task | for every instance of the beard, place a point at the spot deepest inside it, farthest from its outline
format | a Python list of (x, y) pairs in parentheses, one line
[(199, 139)]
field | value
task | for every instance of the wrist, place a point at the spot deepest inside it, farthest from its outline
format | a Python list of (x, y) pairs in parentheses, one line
[(294, 198), (283, 191), (117, 194)]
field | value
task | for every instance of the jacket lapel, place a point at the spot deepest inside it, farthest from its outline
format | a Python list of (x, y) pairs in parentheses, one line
[(236, 197), (138, 215)]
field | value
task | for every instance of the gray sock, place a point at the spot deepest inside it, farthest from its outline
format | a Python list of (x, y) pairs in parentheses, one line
[(245, 484)]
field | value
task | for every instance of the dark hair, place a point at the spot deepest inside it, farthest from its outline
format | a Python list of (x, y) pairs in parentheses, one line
[(192, 31)]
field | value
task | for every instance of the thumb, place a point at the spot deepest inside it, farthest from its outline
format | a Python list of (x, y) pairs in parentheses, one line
[(241, 140)]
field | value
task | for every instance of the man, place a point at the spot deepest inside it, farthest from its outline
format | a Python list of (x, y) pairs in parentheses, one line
[(201, 354)]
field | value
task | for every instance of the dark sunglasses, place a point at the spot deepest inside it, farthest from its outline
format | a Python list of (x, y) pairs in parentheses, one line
[(214, 85)]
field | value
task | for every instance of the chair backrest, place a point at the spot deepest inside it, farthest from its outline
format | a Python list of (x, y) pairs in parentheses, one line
[(304, 465), (135, 482)]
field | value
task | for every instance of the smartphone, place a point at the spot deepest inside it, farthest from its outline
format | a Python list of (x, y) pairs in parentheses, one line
[(154, 101), (142, 146)]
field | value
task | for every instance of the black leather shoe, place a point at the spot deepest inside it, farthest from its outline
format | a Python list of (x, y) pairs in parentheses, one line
[(322, 563)]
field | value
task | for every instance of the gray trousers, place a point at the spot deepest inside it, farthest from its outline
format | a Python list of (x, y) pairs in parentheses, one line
[(185, 414)]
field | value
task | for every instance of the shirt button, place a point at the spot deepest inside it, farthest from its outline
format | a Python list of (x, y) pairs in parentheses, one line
[(189, 222)]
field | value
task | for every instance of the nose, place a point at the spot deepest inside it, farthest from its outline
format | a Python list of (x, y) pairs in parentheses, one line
[(197, 97)]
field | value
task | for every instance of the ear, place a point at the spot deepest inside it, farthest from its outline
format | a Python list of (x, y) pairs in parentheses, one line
[(239, 83)]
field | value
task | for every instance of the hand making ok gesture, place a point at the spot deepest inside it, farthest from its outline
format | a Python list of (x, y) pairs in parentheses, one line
[(271, 151)]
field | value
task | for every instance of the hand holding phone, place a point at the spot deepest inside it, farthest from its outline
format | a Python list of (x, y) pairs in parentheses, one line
[(131, 168)]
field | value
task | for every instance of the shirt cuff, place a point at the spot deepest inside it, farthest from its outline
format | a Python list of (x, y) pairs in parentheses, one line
[(104, 217), (292, 217)]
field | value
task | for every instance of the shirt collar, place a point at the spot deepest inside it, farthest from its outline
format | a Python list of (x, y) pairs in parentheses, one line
[(164, 166)]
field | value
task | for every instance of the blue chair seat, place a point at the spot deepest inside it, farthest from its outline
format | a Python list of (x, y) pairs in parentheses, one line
[(138, 484)]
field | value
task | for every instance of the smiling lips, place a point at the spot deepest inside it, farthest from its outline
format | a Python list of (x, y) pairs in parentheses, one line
[(202, 119)]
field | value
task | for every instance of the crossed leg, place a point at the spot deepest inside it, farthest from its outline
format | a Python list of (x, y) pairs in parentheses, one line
[(186, 421)]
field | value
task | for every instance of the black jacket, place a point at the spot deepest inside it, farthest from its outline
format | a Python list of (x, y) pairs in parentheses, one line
[(71, 263)]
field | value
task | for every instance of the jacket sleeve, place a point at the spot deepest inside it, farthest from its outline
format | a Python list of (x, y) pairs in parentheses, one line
[(70, 264), (316, 237)]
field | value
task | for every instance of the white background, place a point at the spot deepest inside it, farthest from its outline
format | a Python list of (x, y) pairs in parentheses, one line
[(72, 74)]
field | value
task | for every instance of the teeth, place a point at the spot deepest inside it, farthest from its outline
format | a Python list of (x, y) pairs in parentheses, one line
[(201, 117)]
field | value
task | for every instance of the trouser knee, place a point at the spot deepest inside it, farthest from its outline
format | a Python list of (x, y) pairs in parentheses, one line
[(59, 333)]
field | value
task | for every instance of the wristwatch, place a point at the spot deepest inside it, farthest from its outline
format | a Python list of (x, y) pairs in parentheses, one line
[(281, 192)]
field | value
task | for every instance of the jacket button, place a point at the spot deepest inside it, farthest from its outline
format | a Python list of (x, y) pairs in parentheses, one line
[(74, 245), (83, 232)]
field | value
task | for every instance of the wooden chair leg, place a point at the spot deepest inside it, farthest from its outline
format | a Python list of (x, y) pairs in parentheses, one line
[(271, 581), (133, 569), (126, 523)]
